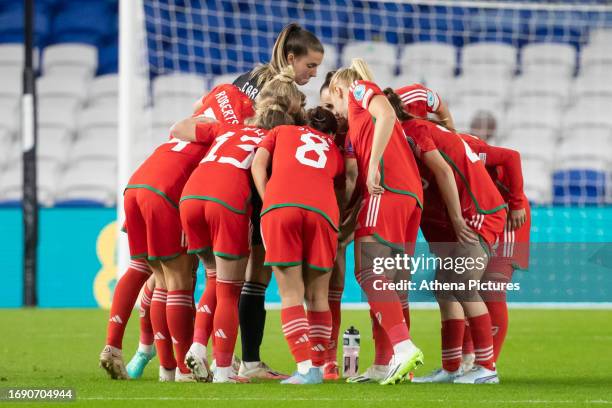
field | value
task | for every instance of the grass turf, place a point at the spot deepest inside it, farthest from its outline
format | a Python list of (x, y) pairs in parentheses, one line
[(551, 358)]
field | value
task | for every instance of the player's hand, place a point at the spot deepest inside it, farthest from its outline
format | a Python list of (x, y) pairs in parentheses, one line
[(516, 219), (464, 233), (373, 184), (204, 119)]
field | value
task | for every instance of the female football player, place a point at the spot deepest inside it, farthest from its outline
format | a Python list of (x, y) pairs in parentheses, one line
[(300, 219), (216, 216), (301, 50), (462, 205), (391, 202)]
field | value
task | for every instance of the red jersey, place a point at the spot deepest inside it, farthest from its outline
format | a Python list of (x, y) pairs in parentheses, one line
[(477, 193), (504, 167), (305, 163), (398, 169), (419, 100), (228, 163), (167, 169)]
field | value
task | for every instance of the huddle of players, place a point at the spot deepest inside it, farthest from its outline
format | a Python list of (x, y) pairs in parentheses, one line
[(393, 173)]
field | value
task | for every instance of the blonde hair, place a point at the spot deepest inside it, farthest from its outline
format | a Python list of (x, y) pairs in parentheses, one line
[(358, 71), (275, 100), (292, 39)]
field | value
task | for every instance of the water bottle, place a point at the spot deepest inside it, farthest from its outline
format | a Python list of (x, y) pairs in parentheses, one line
[(350, 352)]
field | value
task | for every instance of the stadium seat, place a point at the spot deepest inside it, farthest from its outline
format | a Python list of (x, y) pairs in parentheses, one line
[(532, 116), (428, 59), (166, 114), (491, 58), (520, 136), (72, 60), (311, 90), (11, 189), (601, 37), (596, 58), (474, 103), (381, 58), (186, 86), (330, 60), (83, 22), (10, 89), (463, 115), (549, 60), (11, 63), (580, 186), (93, 181), (47, 179), (53, 145), (60, 89), (482, 85), (104, 90), (537, 178), (9, 120), (544, 91), (57, 116), (587, 115), (94, 149), (6, 138), (593, 87), (98, 122), (587, 149), (540, 149)]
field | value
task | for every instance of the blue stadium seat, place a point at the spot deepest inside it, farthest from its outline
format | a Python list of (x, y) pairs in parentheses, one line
[(84, 22), (108, 58), (579, 187), (11, 23)]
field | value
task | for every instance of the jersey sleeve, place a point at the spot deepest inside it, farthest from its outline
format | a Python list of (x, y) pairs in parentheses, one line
[(509, 160), (419, 98), (206, 132), (420, 139), (362, 92), (269, 141)]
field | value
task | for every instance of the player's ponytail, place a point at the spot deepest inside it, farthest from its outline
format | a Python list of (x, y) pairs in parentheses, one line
[(293, 39), (358, 71), (322, 120), (397, 104)]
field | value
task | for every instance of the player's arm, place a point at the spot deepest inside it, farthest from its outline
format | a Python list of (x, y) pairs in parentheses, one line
[(510, 161), (351, 172), (445, 178), (259, 170), (186, 128), (383, 113), (444, 115)]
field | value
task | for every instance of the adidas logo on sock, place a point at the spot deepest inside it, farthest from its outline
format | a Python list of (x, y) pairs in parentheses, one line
[(204, 309), (116, 319), (221, 334), (318, 347), (302, 339), (159, 336)]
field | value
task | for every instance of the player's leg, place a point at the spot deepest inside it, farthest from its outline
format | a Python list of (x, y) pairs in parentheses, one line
[(146, 347), (127, 290), (336, 288), (179, 309), (192, 213), (159, 322)]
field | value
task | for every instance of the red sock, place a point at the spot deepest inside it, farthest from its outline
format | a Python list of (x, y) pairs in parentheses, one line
[(482, 336), (163, 340), (124, 299), (226, 321), (295, 329), (146, 330), (386, 306), (498, 311), (335, 296), (383, 351), (319, 332), (468, 345), (179, 315), (405, 308), (205, 311), (452, 338)]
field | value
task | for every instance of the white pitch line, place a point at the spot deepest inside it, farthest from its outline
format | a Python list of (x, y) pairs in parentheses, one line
[(603, 402)]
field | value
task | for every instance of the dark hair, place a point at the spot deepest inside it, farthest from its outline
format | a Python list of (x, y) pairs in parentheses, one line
[(322, 120), (293, 39), (327, 81)]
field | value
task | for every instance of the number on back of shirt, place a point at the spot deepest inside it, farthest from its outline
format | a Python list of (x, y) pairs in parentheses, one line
[(243, 162), (315, 144)]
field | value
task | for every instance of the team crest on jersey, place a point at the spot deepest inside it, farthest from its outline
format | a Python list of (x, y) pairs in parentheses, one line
[(359, 92), (431, 99)]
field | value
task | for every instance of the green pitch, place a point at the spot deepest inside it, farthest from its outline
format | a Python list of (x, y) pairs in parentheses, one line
[(551, 358)]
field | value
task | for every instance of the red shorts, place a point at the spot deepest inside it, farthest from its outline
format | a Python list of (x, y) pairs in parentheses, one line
[(153, 225), (393, 219), (512, 250), (210, 224), (293, 235), (489, 226)]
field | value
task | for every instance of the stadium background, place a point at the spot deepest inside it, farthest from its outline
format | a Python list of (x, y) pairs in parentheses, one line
[(544, 69)]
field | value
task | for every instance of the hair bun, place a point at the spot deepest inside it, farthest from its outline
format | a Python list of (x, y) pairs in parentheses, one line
[(286, 75)]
